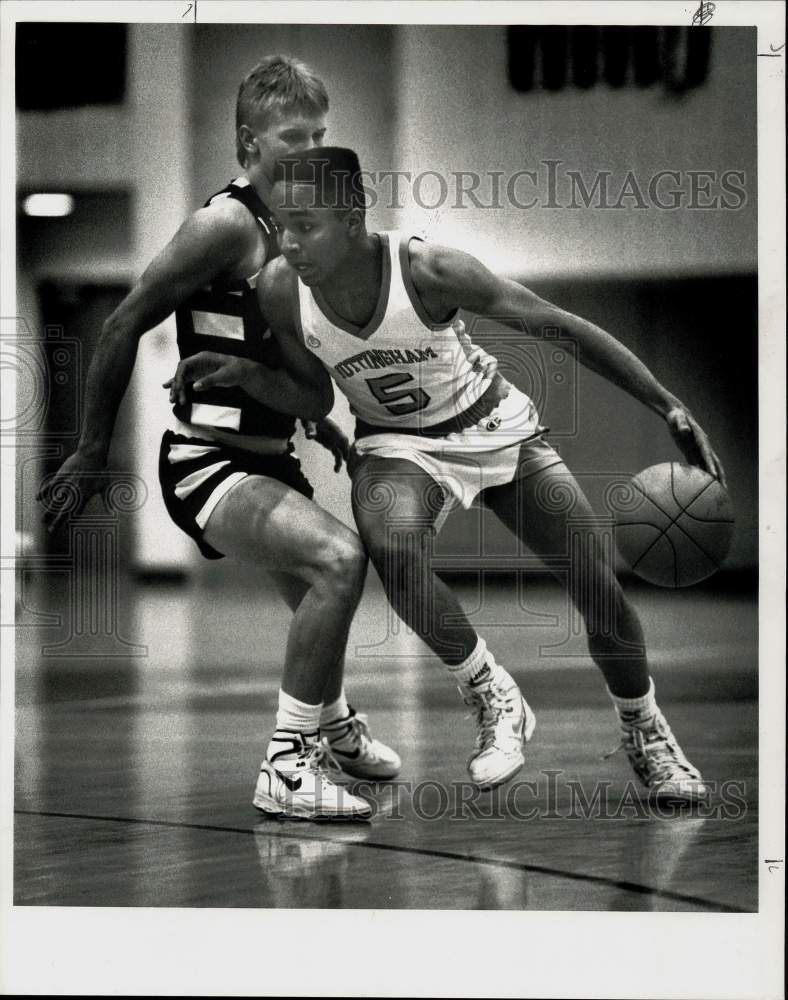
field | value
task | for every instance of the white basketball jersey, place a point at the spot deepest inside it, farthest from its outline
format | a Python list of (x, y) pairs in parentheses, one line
[(401, 369)]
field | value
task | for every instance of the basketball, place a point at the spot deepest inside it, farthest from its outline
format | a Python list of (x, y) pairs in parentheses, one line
[(674, 524)]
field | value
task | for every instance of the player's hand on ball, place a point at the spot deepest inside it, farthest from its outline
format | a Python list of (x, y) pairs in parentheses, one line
[(693, 442), (205, 370), (327, 433), (65, 494)]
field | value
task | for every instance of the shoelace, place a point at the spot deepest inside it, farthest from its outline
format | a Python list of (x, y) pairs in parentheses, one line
[(490, 706), (319, 759), (358, 730), (360, 724), (659, 756)]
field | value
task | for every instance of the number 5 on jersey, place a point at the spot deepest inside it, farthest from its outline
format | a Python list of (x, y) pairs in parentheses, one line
[(398, 401)]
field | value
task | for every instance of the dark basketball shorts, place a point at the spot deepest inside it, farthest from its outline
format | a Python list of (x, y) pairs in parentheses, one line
[(195, 474)]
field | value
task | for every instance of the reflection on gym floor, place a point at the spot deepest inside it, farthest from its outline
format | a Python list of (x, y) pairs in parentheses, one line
[(135, 772)]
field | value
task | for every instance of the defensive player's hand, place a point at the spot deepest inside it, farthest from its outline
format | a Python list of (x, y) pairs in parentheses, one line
[(327, 433), (480, 360), (65, 494), (204, 370), (693, 442)]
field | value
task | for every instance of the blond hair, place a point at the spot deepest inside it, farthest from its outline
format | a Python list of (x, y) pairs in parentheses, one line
[(277, 83)]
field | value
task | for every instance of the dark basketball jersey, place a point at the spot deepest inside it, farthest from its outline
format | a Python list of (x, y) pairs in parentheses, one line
[(225, 318)]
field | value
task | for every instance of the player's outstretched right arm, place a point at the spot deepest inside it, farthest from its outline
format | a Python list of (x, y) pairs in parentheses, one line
[(211, 241), (454, 279)]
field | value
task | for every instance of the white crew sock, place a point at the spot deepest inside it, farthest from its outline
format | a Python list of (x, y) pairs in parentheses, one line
[(636, 709), (479, 671), (296, 724), (334, 711), (296, 716)]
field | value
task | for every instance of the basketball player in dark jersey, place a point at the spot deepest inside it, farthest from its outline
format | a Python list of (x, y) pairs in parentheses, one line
[(374, 310), (228, 475)]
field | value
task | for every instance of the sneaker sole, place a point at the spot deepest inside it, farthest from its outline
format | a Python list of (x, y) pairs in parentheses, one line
[(297, 810), (530, 722), (675, 797), (500, 779)]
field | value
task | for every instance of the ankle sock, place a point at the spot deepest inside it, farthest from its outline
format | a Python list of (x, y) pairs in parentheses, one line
[(635, 709), (296, 716), (334, 711), (479, 670)]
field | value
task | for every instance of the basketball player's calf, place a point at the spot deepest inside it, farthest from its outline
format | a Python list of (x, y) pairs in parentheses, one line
[(394, 507)]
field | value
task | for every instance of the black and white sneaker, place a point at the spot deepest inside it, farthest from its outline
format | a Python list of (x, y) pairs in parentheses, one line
[(297, 781), (658, 760), (357, 752)]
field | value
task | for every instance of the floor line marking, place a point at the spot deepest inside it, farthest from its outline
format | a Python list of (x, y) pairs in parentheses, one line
[(521, 866)]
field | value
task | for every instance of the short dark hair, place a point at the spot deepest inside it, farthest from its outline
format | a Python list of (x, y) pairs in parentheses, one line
[(334, 171), (276, 83)]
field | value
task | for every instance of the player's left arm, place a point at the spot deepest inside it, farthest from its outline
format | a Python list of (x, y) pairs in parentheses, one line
[(459, 280), (301, 387)]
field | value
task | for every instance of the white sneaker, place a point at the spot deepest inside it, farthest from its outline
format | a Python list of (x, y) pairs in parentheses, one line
[(505, 724), (658, 760), (357, 752), (296, 782)]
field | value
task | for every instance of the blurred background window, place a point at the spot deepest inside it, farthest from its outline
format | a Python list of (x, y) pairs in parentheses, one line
[(552, 57), (69, 65)]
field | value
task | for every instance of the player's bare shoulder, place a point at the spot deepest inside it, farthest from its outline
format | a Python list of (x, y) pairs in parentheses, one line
[(275, 295), (444, 277), (428, 263), (228, 224), (218, 239)]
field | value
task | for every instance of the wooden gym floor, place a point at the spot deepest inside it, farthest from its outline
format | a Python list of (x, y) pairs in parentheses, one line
[(134, 773)]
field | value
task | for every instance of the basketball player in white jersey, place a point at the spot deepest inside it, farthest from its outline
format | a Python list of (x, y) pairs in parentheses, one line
[(228, 475), (374, 310)]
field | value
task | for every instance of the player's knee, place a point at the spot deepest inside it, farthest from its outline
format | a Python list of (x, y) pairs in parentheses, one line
[(341, 563)]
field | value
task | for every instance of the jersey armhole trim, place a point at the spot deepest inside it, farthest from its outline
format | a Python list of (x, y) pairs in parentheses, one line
[(241, 189), (410, 288)]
